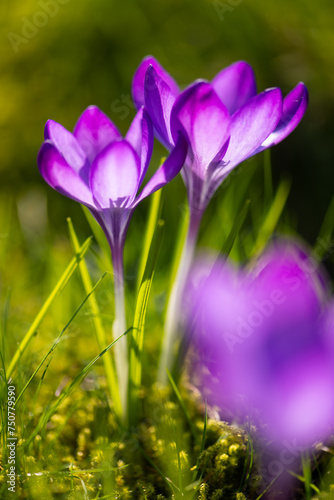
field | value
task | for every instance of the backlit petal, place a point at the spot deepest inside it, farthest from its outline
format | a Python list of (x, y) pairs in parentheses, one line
[(252, 124), (94, 131), (60, 176), (201, 115), (140, 136), (68, 146), (235, 85), (294, 107), (139, 80), (159, 100), (114, 175), (170, 168)]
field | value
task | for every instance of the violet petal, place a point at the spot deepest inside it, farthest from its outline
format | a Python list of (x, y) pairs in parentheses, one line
[(140, 136), (235, 85), (61, 176), (138, 81), (168, 170), (251, 125), (114, 175), (94, 131)]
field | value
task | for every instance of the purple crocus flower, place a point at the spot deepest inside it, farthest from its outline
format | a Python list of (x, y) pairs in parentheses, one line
[(261, 342), (99, 168), (224, 122)]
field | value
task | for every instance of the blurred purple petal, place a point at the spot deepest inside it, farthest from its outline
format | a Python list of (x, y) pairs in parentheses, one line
[(235, 85), (170, 168), (94, 131), (114, 175), (62, 177), (138, 81), (140, 136), (262, 343), (252, 124)]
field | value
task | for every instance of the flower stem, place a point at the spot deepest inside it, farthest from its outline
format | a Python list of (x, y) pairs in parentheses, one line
[(173, 322), (119, 326)]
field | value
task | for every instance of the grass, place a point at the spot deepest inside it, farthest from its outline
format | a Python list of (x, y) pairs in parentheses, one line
[(56, 350)]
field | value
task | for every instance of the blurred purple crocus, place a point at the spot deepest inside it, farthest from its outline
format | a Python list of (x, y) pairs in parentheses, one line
[(224, 123), (261, 343), (99, 168)]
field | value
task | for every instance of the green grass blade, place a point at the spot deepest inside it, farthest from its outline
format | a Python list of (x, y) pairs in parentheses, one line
[(183, 405), (40, 316), (68, 391), (137, 337), (99, 236), (324, 244), (273, 216), (56, 342), (228, 245), (182, 233), (268, 180), (98, 325), (154, 214), (168, 481)]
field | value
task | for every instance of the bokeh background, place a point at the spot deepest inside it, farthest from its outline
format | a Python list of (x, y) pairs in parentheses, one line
[(59, 56)]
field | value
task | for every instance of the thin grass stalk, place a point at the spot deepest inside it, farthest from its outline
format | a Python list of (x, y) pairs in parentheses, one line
[(174, 307), (99, 329)]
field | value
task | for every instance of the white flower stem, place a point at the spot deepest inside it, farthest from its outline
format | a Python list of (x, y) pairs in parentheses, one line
[(173, 321), (119, 327)]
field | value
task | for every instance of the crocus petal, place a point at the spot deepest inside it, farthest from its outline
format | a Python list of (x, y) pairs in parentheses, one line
[(294, 107), (140, 136), (159, 100), (251, 125), (114, 175), (139, 80), (60, 176), (235, 85), (94, 131), (67, 146), (170, 168), (201, 115)]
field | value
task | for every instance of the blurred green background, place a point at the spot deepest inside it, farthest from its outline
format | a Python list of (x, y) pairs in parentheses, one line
[(59, 56)]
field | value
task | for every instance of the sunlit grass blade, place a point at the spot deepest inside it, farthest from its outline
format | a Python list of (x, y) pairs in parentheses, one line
[(248, 463), (233, 234), (68, 391), (271, 220), (137, 337), (268, 487), (98, 325), (99, 236), (3, 331), (183, 228), (268, 180), (202, 443), (324, 241), (172, 486), (56, 342), (183, 405), (43, 311), (154, 214)]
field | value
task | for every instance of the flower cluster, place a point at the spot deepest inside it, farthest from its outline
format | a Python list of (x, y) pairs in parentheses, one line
[(208, 129), (264, 342)]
